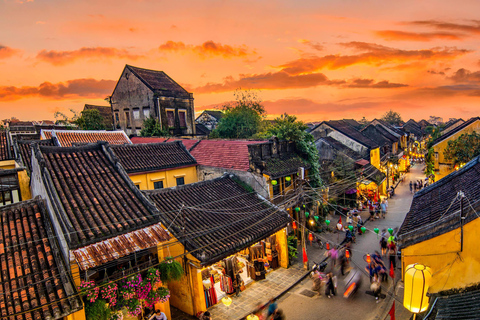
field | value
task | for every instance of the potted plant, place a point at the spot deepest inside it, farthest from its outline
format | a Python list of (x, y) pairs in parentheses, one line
[(170, 270)]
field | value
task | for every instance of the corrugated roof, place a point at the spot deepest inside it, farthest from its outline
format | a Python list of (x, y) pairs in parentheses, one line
[(221, 217), (32, 274), (66, 138)]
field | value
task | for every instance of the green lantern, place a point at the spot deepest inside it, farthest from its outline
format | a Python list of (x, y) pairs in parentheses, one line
[(274, 182), (350, 227), (376, 230), (363, 229), (390, 230), (307, 214), (304, 206), (288, 178), (297, 209), (327, 222), (316, 218)]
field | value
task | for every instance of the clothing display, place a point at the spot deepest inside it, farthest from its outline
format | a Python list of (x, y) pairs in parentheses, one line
[(210, 294)]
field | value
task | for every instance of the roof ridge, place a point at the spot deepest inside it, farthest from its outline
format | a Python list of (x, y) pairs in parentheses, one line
[(226, 175)]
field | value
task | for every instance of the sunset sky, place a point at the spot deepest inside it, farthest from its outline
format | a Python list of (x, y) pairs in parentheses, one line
[(315, 59)]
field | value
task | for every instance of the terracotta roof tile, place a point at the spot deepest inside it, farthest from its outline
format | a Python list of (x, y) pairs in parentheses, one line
[(32, 274), (153, 156), (25, 149), (66, 138), (5, 150), (221, 217)]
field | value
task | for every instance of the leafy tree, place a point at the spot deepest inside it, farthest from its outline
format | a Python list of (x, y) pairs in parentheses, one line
[(63, 119), (463, 149), (392, 117), (242, 119), (151, 127), (434, 133), (90, 120), (364, 122), (430, 166)]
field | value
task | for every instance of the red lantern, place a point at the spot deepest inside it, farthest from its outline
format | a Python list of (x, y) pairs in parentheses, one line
[(368, 259), (347, 254), (310, 237), (294, 225), (328, 246)]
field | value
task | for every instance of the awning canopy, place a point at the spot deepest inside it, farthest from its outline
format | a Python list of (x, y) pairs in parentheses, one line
[(362, 162)]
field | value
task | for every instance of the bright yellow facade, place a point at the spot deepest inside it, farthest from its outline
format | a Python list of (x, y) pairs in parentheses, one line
[(450, 267), (375, 157), (146, 180), (444, 167), (7, 164)]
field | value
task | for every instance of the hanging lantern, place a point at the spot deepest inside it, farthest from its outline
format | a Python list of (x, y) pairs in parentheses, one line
[(316, 218), (310, 237), (368, 259), (307, 214), (304, 206), (350, 227), (274, 182), (288, 178), (252, 317), (327, 246), (294, 225), (390, 230), (363, 229), (227, 301), (391, 239), (312, 222), (327, 222), (297, 209), (347, 254), (376, 230), (416, 284)]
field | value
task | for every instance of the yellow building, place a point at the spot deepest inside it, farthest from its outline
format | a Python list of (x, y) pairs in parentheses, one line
[(435, 235), (225, 232), (442, 166), (157, 165)]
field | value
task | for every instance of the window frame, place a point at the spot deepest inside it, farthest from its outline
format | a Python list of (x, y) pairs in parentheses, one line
[(168, 120), (159, 181), (183, 181), (184, 113)]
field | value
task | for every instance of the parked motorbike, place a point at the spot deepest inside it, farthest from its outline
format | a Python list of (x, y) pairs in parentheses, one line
[(353, 281), (320, 267), (349, 237)]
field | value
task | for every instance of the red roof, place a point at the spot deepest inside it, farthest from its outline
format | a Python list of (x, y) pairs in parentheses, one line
[(228, 154), (188, 143), (67, 137)]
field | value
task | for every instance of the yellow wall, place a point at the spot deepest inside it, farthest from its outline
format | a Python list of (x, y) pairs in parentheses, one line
[(24, 184), (281, 184), (79, 315), (169, 177), (281, 237), (7, 164), (450, 270), (444, 167), (375, 157)]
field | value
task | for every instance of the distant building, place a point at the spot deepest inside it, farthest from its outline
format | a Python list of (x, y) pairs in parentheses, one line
[(141, 93), (209, 118), (105, 112)]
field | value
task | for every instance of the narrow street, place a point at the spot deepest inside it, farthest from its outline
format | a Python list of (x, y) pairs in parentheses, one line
[(297, 304)]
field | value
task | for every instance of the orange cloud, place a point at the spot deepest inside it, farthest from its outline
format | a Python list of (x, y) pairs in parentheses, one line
[(313, 45), (392, 35), (7, 52), (464, 75), (472, 28), (369, 83), (375, 55), (77, 88), (65, 57), (208, 49)]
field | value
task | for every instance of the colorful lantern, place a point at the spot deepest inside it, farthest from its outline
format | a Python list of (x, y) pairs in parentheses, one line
[(288, 178), (274, 182), (350, 227), (227, 301), (327, 246), (307, 214), (347, 254), (312, 222), (416, 284), (294, 225), (376, 230), (390, 230), (304, 206), (363, 229), (327, 222), (316, 218), (310, 237), (297, 209), (368, 259), (252, 317)]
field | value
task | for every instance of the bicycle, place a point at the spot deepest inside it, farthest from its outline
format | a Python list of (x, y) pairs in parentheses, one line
[(318, 241)]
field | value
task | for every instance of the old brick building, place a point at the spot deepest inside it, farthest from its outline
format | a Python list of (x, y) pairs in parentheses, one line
[(141, 93)]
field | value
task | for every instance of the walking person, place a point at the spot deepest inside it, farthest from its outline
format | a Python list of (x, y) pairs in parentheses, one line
[(383, 207), (330, 286), (392, 254), (272, 307), (415, 187), (411, 186), (383, 246)]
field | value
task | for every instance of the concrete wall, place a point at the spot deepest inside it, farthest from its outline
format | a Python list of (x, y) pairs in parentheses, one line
[(169, 177), (256, 181)]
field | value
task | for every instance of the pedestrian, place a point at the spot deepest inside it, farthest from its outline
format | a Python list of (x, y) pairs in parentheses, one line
[(383, 246), (415, 187), (205, 316), (377, 210), (333, 254), (272, 307), (392, 254), (411, 186), (376, 287), (381, 269), (370, 209), (317, 282), (330, 286), (278, 315), (383, 206), (159, 315)]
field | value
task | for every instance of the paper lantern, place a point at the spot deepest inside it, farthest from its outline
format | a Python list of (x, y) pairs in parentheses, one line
[(363, 229), (347, 254), (368, 258), (416, 284), (350, 227), (288, 178), (307, 214), (312, 222), (297, 209), (227, 301), (252, 317), (274, 182), (316, 218), (294, 225), (304, 206), (376, 230), (390, 230), (310, 237), (327, 246), (327, 222)]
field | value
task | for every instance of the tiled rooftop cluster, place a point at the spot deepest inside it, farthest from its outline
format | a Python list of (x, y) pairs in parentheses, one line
[(5, 151), (66, 138), (25, 149), (153, 156), (33, 281), (282, 166), (221, 217), (99, 201)]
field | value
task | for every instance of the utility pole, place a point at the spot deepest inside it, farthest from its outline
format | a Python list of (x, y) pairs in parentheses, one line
[(462, 218)]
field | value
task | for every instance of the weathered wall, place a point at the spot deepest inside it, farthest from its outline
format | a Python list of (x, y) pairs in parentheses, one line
[(169, 177), (7, 164), (281, 237), (24, 184)]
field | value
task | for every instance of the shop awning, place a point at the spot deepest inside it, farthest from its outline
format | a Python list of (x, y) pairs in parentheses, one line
[(362, 162)]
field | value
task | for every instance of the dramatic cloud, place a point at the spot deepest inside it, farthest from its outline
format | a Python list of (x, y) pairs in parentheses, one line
[(208, 49), (464, 75), (65, 57), (373, 54), (470, 28), (392, 35), (72, 89), (370, 83), (313, 45), (6, 52)]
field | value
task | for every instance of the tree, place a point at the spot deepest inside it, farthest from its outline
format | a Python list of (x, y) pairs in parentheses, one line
[(63, 119), (152, 128), (90, 120), (242, 119), (463, 149), (392, 117), (364, 122)]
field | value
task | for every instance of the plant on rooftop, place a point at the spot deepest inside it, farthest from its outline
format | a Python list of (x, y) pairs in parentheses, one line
[(170, 270), (90, 120), (151, 127)]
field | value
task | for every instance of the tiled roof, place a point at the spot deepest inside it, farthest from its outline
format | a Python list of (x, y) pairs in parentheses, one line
[(371, 173), (159, 81), (227, 154), (351, 132), (32, 273), (97, 198), (463, 305), (283, 166), (105, 112), (373, 133), (386, 134), (215, 113), (455, 130), (428, 216), (451, 122), (66, 138), (5, 150), (200, 129), (188, 143), (25, 149), (408, 127), (354, 123), (340, 147), (221, 217), (153, 156)]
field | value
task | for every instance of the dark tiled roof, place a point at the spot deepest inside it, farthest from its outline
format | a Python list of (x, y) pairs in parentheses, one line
[(463, 305), (215, 113), (408, 127), (340, 147), (5, 150), (371, 173), (423, 221), (283, 166), (66, 138), (351, 132), (227, 154), (32, 271), (159, 82), (25, 149), (423, 124), (451, 123), (153, 156), (354, 123), (455, 130), (376, 135), (98, 199), (105, 112), (386, 134), (200, 129), (220, 216)]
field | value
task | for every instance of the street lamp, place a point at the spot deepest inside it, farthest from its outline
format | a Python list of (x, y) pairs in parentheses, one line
[(227, 301), (417, 282)]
